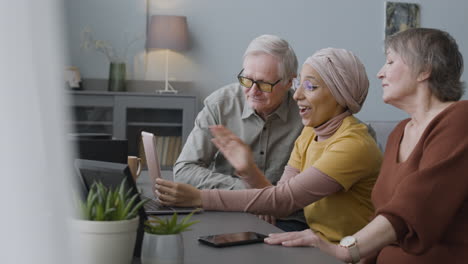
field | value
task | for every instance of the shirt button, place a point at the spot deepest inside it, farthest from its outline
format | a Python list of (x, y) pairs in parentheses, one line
[(261, 152)]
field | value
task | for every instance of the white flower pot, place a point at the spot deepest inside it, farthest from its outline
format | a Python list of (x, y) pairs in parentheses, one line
[(162, 249), (104, 242)]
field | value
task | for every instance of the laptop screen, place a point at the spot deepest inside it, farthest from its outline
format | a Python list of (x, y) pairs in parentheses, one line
[(154, 169), (99, 148), (109, 173)]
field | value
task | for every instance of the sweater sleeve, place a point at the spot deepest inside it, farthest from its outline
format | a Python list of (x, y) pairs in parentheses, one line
[(426, 201), (288, 173), (282, 200)]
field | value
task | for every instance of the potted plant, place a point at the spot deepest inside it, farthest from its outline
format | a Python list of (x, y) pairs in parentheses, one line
[(116, 57), (163, 241), (107, 231)]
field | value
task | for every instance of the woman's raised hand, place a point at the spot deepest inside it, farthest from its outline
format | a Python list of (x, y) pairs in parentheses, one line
[(234, 150)]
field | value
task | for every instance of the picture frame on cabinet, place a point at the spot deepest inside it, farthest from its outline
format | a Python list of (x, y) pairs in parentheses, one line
[(400, 16)]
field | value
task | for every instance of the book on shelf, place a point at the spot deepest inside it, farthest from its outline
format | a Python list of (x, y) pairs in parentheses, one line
[(178, 143), (165, 147), (168, 149), (159, 148)]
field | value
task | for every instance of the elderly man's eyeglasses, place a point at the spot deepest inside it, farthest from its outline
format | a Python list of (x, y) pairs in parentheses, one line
[(306, 84), (265, 87)]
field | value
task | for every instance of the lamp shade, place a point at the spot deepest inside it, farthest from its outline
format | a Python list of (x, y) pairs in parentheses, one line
[(167, 32)]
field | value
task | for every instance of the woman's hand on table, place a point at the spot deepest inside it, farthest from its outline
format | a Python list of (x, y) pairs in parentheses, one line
[(177, 194), (294, 239), (307, 238)]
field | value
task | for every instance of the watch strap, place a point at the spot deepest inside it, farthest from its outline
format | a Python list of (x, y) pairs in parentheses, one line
[(354, 252)]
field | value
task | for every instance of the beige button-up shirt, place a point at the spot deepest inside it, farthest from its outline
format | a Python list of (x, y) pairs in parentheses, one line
[(203, 166)]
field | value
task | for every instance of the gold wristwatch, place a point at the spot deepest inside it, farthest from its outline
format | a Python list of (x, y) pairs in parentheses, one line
[(350, 243)]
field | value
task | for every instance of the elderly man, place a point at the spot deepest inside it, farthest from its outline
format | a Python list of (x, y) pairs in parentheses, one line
[(259, 109)]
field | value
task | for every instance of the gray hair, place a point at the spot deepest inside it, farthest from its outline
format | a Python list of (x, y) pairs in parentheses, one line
[(280, 49), (433, 50)]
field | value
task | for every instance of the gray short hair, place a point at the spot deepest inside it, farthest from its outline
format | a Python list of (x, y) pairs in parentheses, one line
[(427, 49), (279, 48)]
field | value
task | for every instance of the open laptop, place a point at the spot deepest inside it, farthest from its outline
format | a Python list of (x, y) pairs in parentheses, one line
[(154, 169), (111, 175)]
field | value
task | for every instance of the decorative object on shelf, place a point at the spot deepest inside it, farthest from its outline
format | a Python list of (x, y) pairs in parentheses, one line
[(117, 73), (73, 78), (106, 234), (169, 33), (117, 60), (163, 241), (400, 16)]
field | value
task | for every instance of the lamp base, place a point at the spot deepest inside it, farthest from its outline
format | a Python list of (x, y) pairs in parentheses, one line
[(166, 91)]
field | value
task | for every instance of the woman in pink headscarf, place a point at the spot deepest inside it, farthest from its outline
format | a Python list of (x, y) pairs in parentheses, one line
[(333, 166)]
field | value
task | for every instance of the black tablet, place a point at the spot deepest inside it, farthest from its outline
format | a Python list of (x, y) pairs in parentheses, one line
[(232, 239)]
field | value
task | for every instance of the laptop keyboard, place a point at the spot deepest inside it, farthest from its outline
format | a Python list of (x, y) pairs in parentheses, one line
[(153, 205)]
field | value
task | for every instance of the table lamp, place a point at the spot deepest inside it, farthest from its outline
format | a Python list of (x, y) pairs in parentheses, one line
[(169, 33)]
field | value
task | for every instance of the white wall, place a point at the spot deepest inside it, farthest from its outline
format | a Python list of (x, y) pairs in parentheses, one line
[(221, 30)]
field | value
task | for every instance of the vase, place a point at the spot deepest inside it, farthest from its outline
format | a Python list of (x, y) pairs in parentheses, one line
[(162, 249), (117, 73), (103, 242)]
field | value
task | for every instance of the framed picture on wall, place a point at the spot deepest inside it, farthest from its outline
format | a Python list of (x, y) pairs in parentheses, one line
[(400, 16)]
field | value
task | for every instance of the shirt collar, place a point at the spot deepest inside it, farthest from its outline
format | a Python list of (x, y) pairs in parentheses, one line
[(282, 111)]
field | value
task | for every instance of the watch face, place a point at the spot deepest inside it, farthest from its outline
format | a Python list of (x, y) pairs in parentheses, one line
[(347, 241)]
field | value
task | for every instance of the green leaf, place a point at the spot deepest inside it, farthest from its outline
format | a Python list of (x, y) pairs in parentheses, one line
[(129, 205), (91, 205), (135, 209), (99, 212), (184, 227), (110, 204), (108, 200), (129, 192), (173, 222), (90, 194), (187, 217), (166, 226), (122, 190), (108, 213)]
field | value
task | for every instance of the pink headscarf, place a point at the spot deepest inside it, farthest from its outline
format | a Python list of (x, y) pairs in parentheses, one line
[(344, 74)]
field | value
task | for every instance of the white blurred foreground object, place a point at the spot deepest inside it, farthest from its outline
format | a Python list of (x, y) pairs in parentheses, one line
[(35, 199)]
